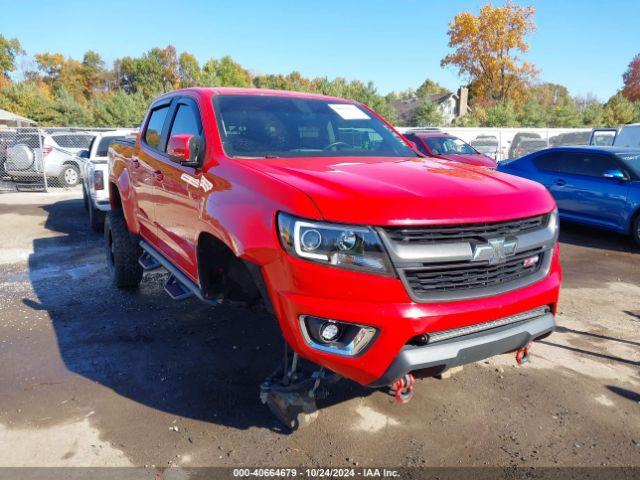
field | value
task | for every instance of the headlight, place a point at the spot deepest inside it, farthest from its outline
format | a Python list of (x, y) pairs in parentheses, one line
[(554, 223), (344, 246)]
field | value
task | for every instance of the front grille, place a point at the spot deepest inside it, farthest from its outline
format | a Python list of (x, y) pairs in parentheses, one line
[(472, 231), (459, 276)]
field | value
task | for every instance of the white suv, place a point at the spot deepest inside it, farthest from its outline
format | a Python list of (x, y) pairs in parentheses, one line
[(95, 177), (33, 154)]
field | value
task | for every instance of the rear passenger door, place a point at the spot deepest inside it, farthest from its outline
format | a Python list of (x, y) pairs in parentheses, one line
[(178, 193)]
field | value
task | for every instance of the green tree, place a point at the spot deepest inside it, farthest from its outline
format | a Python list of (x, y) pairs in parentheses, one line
[(565, 114), (69, 112), (533, 114), (501, 114), (155, 72), (427, 115), (618, 110), (9, 50), (29, 99), (189, 70), (119, 109), (593, 115), (429, 87)]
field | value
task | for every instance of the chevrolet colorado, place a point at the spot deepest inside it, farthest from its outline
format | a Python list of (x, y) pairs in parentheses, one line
[(377, 262)]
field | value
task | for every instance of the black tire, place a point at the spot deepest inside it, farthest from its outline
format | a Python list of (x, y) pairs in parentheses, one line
[(635, 229), (70, 175), (96, 217), (122, 251)]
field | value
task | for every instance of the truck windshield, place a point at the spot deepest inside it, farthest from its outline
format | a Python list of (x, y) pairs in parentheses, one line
[(264, 126), (449, 145)]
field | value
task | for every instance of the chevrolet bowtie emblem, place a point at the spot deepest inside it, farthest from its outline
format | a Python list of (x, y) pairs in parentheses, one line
[(496, 250)]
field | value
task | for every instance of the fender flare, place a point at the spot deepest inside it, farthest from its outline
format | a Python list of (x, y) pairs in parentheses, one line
[(127, 200)]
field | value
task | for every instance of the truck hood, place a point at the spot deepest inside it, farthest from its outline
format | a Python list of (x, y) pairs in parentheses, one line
[(479, 159), (408, 191)]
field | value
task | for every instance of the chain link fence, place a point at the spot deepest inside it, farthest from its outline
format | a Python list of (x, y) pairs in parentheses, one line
[(35, 159)]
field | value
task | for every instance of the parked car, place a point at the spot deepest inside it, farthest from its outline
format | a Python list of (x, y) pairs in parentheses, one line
[(445, 146), (6, 138), (96, 174), (486, 145), (570, 138), (530, 145), (627, 136), (603, 137), (56, 154), (596, 186), (376, 261), (517, 139)]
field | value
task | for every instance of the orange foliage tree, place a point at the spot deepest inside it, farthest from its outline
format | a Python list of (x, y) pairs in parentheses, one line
[(631, 78), (487, 49)]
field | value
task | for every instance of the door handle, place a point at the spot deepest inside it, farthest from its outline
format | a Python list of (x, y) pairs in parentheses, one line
[(136, 163), (560, 182), (158, 175)]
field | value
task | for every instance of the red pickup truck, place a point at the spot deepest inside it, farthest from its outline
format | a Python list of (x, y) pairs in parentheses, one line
[(376, 261)]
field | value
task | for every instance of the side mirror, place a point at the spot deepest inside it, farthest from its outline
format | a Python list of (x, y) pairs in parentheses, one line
[(616, 174), (184, 149), (83, 153), (412, 144)]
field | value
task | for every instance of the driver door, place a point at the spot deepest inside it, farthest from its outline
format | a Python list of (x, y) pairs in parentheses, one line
[(178, 194)]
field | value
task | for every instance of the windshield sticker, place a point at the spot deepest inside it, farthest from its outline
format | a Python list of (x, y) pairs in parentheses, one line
[(348, 111)]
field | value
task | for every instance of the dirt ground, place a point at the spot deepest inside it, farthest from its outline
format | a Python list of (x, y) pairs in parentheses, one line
[(94, 376)]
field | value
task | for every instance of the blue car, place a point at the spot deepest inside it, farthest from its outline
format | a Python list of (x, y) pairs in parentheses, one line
[(596, 186)]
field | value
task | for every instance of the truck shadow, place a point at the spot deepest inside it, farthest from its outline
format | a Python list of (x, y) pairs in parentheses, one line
[(184, 358)]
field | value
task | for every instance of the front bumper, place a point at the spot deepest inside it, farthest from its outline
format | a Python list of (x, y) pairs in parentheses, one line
[(298, 287), (436, 358)]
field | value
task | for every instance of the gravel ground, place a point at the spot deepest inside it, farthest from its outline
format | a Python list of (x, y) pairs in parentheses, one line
[(93, 376)]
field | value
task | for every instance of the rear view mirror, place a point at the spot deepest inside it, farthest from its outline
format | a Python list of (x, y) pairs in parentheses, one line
[(616, 174), (412, 144), (184, 149)]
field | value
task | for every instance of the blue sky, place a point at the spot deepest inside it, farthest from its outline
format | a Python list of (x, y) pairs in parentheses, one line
[(585, 45)]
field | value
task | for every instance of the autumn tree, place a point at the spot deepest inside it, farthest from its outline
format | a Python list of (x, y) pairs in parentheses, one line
[(59, 72), (487, 50), (94, 73), (631, 79), (9, 50)]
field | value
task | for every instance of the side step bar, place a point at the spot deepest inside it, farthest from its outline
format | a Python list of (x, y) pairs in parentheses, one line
[(147, 262), (178, 285)]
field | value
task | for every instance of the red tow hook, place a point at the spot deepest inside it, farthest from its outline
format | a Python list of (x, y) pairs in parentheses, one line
[(403, 388), (522, 354)]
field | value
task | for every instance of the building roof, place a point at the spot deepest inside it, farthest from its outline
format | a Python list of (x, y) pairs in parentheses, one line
[(6, 116)]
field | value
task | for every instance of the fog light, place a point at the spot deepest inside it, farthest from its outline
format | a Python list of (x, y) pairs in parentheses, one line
[(333, 336), (329, 332)]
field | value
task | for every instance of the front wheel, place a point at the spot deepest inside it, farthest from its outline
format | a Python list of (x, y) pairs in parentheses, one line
[(70, 175), (122, 251)]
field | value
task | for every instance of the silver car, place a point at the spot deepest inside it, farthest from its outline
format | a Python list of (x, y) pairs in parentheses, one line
[(33, 154)]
